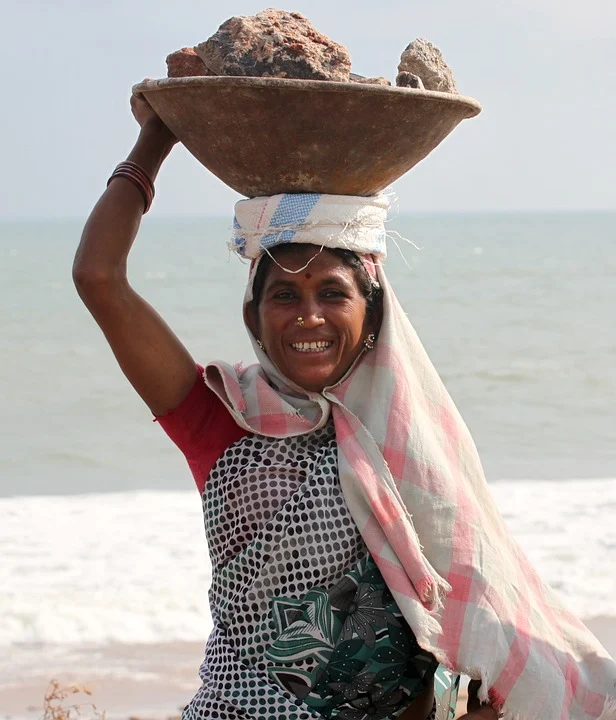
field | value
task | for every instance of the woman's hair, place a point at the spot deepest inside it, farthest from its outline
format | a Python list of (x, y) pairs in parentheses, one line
[(372, 291)]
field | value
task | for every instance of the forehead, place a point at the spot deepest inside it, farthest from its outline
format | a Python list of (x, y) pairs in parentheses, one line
[(307, 262)]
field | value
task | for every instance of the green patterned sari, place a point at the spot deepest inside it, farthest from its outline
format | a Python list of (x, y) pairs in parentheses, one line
[(348, 653)]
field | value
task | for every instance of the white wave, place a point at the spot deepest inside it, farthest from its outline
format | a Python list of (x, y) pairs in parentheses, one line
[(132, 567), (118, 567), (567, 529)]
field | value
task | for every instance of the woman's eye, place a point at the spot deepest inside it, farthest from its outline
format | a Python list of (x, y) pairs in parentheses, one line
[(332, 294), (284, 295)]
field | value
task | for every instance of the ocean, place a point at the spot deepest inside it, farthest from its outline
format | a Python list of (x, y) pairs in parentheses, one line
[(104, 567)]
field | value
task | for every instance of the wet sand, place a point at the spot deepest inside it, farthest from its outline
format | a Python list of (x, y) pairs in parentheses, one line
[(154, 682)]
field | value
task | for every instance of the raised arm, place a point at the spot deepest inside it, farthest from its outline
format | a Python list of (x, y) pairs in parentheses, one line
[(153, 359)]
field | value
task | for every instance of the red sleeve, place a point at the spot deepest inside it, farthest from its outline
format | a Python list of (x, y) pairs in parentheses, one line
[(202, 428)]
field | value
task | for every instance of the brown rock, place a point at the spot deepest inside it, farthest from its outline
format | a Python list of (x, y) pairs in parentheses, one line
[(186, 63), (422, 58), (368, 80), (407, 79), (274, 43)]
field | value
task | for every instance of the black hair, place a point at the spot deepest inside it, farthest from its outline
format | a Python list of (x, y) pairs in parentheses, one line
[(371, 291)]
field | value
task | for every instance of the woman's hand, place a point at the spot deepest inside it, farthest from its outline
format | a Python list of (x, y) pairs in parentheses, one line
[(474, 709), (155, 140), (148, 120), (485, 712)]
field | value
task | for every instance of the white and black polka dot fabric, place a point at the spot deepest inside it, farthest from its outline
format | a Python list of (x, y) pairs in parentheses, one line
[(277, 525)]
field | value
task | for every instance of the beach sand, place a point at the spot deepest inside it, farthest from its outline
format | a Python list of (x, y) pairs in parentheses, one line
[(153, 682)]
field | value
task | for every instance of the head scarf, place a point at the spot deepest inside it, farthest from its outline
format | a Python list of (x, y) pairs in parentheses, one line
[(413, 482)]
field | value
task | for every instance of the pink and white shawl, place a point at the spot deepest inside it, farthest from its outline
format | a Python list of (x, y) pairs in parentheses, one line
[(414, 484)]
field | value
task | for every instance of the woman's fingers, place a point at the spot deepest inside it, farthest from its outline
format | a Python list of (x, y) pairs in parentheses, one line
[(145, 114), (138, 94), (141, 108)]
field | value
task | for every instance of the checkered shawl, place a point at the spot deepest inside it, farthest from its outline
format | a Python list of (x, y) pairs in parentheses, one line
[(414, 484)]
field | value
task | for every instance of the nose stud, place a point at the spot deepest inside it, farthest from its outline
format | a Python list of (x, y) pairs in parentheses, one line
[(300, 321)]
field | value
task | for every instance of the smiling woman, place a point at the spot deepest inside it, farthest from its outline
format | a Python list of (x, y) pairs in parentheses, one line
[(359, 563)]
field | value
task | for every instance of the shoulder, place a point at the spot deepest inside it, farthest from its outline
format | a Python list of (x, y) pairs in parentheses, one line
[(201, 424)]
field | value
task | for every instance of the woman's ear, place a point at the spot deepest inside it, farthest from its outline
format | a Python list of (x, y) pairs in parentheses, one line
[(374, 318), (251, 318)]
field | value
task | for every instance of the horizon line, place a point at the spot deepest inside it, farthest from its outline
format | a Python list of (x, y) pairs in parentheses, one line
[(406, 213)]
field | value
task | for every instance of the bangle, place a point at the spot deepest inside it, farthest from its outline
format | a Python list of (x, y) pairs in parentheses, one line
[(137, 175)]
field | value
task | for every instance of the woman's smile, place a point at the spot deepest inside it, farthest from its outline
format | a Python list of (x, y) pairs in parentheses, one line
[(314, 346)]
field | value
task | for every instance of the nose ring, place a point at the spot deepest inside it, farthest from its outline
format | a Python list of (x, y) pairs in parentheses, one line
[(300, 321)]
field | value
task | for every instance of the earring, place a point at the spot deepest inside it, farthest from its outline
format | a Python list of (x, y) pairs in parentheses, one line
[(300, 321), (260, 344), (369, 341)]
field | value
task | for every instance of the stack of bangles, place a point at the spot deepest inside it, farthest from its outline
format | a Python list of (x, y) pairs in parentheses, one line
[(136, 174)]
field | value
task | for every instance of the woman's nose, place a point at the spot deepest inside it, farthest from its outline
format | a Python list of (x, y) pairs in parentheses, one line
[(312, 313)]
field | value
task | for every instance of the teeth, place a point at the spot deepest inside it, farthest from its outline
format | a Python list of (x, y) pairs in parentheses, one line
[(318, 346)]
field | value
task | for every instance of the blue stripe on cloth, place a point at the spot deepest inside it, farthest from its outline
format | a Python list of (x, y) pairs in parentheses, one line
[(238, 244), (279, 238), (293, 208)]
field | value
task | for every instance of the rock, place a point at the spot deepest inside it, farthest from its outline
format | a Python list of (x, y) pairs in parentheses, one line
[(368, 80), (422, 58), (274, 43), (407, 79), (185, 63)]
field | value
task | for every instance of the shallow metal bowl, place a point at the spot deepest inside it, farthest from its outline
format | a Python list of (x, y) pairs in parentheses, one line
[(263, 136)]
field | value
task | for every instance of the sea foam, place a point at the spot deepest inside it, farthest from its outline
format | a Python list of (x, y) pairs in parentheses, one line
[(132, 566)]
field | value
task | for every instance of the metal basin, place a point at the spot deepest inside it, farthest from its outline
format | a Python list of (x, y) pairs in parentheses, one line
[(263, 136)]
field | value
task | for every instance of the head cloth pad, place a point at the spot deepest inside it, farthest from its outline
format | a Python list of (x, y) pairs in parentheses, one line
[(333, 221)]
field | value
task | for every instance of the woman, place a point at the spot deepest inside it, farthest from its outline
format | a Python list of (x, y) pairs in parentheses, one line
[(327, 599)]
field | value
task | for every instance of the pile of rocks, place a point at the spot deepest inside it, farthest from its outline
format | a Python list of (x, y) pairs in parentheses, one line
[(279, 44)]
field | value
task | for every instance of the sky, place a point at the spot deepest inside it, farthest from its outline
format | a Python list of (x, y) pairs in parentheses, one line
[(544, 71)]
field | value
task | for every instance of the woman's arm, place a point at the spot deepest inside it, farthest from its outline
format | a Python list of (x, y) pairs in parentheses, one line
[(153, 359)]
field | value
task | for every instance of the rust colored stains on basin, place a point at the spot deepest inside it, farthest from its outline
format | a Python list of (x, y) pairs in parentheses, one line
[(263, 136)]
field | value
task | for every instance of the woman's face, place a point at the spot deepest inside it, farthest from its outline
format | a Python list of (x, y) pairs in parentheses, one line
[(335, 322)]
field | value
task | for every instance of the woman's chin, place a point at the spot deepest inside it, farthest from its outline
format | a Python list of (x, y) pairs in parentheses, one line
[(311, 381), (311, 372)]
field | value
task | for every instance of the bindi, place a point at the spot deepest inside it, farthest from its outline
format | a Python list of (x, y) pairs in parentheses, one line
[(308, 276)]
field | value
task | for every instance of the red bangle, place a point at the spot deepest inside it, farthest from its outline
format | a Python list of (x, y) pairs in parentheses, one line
[(137, 175), (128, 164)]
